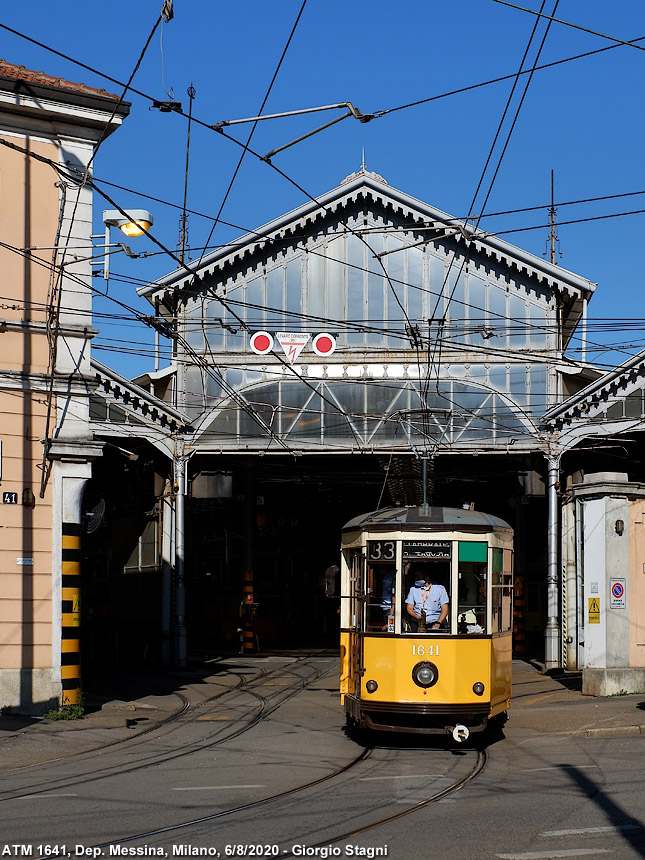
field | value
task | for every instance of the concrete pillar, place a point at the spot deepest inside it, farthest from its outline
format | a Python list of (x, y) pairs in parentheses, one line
[(610, 508)]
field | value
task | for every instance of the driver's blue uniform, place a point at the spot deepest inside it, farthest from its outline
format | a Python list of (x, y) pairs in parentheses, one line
[(428, 599)]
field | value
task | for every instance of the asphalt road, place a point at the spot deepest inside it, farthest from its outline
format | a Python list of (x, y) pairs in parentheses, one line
[(254, 761)]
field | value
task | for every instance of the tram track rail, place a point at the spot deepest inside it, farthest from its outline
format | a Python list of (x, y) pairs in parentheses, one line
[(92, 774), (481, 758), (244, 807), (137, 736), (480, 764)]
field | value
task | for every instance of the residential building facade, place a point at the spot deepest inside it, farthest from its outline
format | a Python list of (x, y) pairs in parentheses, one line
[(48, 130)]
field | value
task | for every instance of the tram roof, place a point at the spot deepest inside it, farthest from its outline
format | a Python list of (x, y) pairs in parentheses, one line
[(427, 517)]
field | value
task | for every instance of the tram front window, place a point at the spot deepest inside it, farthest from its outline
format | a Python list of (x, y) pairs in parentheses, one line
[(427, 592), (381, 585), (471, 609)]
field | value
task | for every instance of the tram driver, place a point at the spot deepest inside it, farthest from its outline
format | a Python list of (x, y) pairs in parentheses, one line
[(426, 598)]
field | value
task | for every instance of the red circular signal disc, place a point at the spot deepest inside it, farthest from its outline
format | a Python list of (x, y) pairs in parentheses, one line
[(261, 342), (324, 344)]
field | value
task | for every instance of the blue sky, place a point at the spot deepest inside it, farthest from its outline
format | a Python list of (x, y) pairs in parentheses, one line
[(583, 120)]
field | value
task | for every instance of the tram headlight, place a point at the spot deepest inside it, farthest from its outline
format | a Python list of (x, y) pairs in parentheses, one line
[(371, 686), (478, 688), (425, 674)]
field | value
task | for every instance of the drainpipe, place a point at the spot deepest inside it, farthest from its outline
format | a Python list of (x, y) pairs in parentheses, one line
[(580, 618), (180, 498), (552, 632)]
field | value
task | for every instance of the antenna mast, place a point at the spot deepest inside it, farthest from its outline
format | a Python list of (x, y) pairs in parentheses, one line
[(183, 218), (552, 235)]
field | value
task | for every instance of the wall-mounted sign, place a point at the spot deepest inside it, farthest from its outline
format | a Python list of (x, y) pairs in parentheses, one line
[(617, 593), (433, 550), (594, 610), (324, 344), (261, 342), (292, 343), (9, 498)]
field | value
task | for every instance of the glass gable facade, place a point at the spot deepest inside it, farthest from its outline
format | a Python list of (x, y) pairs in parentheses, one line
[(340, 284), (426, 352)]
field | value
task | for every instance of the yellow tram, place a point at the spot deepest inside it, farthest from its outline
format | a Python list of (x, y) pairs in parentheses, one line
[(455, 676)]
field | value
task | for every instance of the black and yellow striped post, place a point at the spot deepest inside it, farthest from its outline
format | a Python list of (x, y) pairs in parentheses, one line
[(248, 633), (71, 615), (519, 617)]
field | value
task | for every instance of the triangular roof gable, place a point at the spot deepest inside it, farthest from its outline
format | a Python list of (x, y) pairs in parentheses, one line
[(586, 412), (419, 214), (156, 421)]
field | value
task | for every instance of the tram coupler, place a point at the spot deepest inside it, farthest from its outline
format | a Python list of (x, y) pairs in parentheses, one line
[(460, 733)]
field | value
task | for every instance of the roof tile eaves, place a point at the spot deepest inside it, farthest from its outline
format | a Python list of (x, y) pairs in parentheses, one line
[(21, 73)]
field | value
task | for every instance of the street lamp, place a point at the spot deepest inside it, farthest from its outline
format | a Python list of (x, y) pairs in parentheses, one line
[(135, 222)]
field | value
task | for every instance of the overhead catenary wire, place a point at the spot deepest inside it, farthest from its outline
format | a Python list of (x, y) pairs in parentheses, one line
[(150, 98), (212, 371), (255, 124), (56, 292), (551, 18), (435, 354), (360, 325), (379, 113), (394, 229)]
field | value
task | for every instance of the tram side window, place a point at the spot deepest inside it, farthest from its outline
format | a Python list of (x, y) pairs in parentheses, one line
[(502, 591), (471, 609), (472, 586), (381, 585)]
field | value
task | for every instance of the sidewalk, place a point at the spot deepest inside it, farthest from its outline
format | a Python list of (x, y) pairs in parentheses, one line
[(127, 705), (541, 705), (552, 704)]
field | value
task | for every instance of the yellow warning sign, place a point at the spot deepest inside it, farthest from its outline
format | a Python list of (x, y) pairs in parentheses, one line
[(594, 610)]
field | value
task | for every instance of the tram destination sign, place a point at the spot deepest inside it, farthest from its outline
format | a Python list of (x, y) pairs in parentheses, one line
[(437, 550)]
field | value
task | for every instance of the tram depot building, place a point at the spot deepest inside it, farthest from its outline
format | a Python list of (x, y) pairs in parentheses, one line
[(321, 365)]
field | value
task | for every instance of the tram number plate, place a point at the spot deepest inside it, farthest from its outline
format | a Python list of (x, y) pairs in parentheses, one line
[(425, 650), (381, 550)]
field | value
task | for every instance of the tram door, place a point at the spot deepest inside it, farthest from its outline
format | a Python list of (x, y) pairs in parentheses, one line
[(355, 590)]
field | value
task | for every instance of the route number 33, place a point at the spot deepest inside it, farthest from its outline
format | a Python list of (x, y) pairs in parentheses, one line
[(378, 550)]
